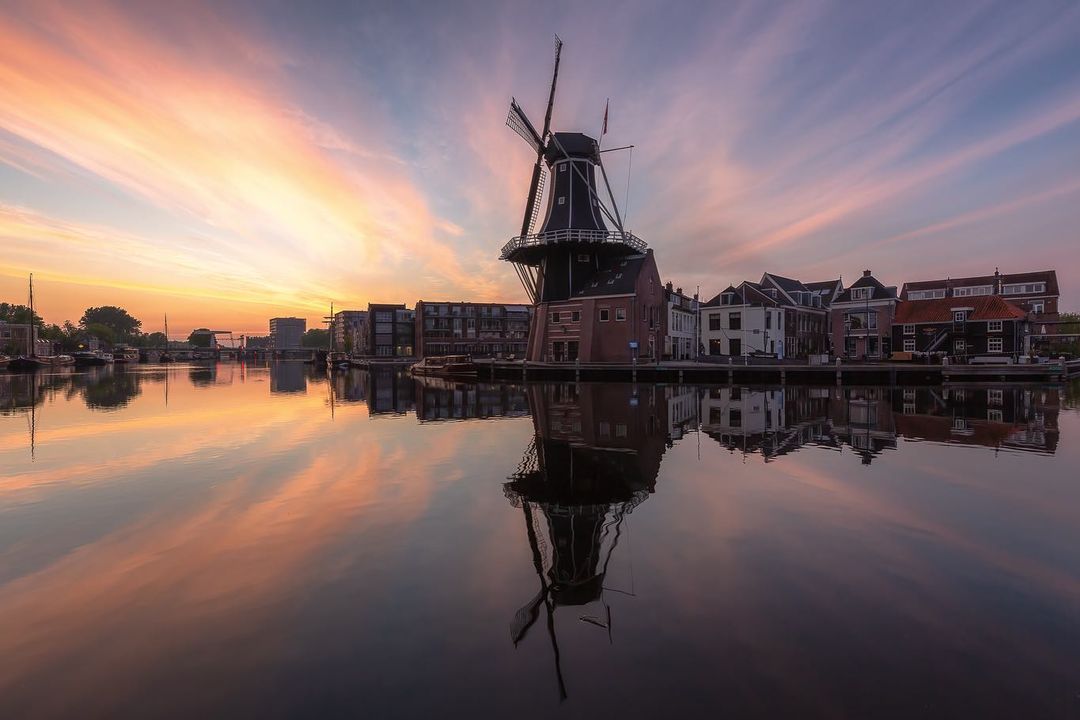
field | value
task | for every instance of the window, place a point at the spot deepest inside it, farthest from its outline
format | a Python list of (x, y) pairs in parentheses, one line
[(995, 397), (860, 320), (993, 344), (1024, 289), (555, 318), (862, 293), (716, 321), (735, 321), (604, 314), (971, 291), (959, 316), (909, 329), (620, 314), (735, 347), (909, 345), (994, 415), (993, 326), (1037, 308), (583, 257), (850, 346), (768, 320), (959, 346), (575, 316), (562, 200), (926, 294)]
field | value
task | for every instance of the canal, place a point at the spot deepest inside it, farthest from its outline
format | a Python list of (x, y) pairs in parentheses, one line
[(261, 541)]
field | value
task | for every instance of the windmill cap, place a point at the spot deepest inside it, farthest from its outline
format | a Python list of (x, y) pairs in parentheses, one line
[(576, 145)]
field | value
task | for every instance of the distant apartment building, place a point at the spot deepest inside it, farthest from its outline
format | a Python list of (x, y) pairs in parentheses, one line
[(477, 329), (861, 319), (681, 338), (1035, 292), (391, 330), (350, 330), (257, 342), (286, 332)]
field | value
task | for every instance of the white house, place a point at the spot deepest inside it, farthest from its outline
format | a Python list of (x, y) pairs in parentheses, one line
[(743, 320)]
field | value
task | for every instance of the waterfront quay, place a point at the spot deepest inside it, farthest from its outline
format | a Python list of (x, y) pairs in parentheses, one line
[(758, 372)]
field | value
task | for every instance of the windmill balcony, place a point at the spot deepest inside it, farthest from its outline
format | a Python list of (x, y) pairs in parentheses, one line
[(571, 236)]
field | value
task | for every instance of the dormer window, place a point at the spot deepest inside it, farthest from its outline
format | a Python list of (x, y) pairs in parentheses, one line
[(862, 293)]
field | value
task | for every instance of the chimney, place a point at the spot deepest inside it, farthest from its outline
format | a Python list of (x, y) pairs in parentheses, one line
[(997, 281), (866, 273), (678, 291), (669, 286)]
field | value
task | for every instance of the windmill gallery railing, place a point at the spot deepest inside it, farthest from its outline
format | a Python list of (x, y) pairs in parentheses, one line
[(571, 235)]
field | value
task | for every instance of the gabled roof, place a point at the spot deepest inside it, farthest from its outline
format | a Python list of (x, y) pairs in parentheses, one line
[(984, 307), (619, 277), (748, 293), (1047, 276), (826, 289), (880, 291), (786, 284)]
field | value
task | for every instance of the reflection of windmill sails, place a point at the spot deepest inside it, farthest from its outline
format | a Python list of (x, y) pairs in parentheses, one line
[(575, 486)]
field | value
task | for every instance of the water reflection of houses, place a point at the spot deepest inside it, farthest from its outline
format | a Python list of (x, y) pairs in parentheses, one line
[(769, 421), (389, 390), (594, 457), (1019, 418), (438, 399), (863, 419)]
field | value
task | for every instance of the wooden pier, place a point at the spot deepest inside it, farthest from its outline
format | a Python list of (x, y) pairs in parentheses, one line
[(898, 373)]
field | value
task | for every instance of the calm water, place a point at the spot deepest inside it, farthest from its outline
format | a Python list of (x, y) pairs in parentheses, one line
[(237, 541)]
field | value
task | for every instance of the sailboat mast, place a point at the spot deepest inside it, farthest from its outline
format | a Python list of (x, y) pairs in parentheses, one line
[(30, 323)]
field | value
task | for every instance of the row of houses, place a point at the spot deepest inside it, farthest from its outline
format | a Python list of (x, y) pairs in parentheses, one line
[(999, 314)]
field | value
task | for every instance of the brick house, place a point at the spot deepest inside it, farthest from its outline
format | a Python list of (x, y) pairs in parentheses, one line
[(861, 319), (619, 314), (962, 327), (1035, 292)]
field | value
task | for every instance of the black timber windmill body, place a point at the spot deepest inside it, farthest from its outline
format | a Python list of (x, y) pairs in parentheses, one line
[(574, 241)]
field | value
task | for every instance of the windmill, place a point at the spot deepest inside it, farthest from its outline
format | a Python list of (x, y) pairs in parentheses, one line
[(555, 259)]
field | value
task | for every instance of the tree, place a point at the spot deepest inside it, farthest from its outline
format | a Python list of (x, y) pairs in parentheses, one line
[(101, 332), (18, 314), (200, 338), (115, 318), (316, 338), (154, 339)]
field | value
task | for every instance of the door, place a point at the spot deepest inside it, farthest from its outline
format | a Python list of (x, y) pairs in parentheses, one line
[(736, 346)]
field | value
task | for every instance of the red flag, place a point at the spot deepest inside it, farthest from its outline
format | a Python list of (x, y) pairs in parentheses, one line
[(604, 131)]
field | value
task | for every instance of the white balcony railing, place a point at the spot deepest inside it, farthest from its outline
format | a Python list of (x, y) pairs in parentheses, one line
[(572, 236)]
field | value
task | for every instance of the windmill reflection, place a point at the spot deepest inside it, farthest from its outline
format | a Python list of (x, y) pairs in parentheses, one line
[(594, 457)]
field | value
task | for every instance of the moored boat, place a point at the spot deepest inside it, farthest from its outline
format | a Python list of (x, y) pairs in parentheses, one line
[(90, 358), (337, 360), (459, 366), (30, 363), (4, 360), (125, 354)]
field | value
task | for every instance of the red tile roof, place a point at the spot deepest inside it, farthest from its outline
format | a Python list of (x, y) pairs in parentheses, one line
[(985, 307)]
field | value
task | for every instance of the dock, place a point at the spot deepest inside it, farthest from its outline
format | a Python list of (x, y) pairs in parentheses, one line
[(778, 373)]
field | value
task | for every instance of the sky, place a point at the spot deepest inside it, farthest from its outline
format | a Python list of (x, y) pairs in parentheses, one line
[(226, 162)]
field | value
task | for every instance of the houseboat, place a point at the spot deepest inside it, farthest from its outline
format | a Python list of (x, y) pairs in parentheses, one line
[(125, 354), (91, 358)]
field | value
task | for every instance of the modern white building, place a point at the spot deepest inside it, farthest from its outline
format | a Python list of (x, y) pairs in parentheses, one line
[(743, 321), (286, 332), (681, 339)]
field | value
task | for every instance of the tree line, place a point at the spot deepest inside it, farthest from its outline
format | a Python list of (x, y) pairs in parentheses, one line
[(110, 324)]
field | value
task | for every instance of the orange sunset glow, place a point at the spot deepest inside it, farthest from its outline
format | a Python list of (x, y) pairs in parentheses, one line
[(225, 165)]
